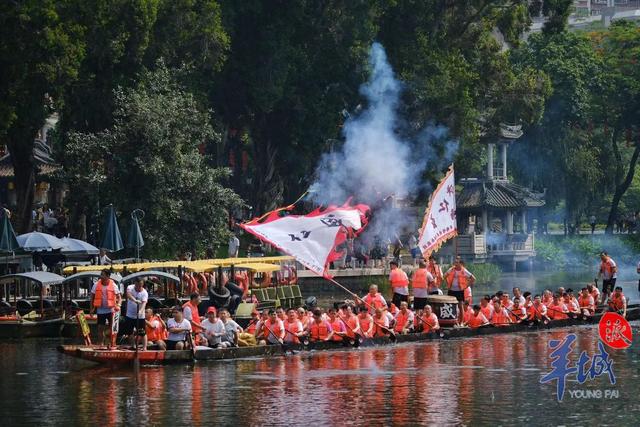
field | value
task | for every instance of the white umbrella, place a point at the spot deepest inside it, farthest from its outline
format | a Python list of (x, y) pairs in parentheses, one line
[(78, 247), (34, 242)]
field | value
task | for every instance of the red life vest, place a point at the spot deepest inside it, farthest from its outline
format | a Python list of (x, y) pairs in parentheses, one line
[(320, 331), (337, 326), (195, 317), (401, 320), (158, 333), (460, 275), (477, 321), (617, 302), (419, 278), (398, 278)]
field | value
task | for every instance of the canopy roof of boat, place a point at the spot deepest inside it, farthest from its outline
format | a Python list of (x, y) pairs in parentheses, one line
[(197, 266), (259, 268), (91, 274), (40, 277), (149, 273)]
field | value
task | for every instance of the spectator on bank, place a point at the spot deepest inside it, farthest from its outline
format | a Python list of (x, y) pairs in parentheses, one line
[(234, 246), (592, 223), (415, 250)]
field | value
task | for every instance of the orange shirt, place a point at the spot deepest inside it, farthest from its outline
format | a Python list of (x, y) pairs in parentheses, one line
[(477, 321)]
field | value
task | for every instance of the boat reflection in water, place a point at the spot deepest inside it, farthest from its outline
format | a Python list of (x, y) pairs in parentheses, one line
[(481, 381)]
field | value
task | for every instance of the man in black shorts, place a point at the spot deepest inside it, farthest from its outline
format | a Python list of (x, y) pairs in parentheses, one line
[(105, 299), (609, 273), (137, 298), (458, 278)]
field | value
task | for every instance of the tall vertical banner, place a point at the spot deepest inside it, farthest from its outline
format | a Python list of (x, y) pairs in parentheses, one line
[(439, 223)]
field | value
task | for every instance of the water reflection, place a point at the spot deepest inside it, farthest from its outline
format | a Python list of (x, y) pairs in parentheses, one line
[(486, 380)]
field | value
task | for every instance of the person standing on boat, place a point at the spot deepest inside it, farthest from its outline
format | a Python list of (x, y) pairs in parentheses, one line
[(421, 281), (609, 273), (178, 328), (137, 298), (399, 283), (105, 299), (436, 272), (458, 279)]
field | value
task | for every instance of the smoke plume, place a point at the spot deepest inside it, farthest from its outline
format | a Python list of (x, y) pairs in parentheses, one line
[(376, 161)]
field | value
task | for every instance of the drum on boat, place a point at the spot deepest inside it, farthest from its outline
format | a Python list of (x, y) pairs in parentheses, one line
[(445, 307)]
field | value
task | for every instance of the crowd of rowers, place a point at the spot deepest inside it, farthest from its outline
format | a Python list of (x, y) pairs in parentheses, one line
[(361, 319)]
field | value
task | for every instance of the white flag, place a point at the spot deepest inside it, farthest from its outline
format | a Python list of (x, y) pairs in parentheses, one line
[(439, 222), (310, 238)]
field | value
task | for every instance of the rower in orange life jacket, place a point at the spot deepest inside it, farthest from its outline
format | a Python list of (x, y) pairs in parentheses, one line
[(547, 298), (468, 312), (436, 273), (585, 301), (537, 310), (594, 292), (380, 324), (190, 311), (517, 313), (486, 306), (557, 310), (337, 325), (274, 328), (253, 323), (477, 319), (374, 299), (155, 329), (429, 320), (500, 315), (351, 321), (404, 319), (319, 329), (399, 284), (618, 302), (293, 327), (366, 322), (421, 281), (571, 302)]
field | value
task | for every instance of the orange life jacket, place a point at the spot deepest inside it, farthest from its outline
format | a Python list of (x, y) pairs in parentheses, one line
[(251, 329), (291, 330), (606, 267), (518, 315), (617, 302), (378, 323), (111, 294), (468, 314), (419, 279), (195, 317), (586, 302), (436, 272), (398, 278), (500, 318), (488, 311), (468, 296), (159, 333), (401, 320), (276, 328), (352, 324), (537, 312), (557, 311), (374, 301), (477, 321), (320, 331), (462, 279), (365, 323), (429, 323), (336, 325)]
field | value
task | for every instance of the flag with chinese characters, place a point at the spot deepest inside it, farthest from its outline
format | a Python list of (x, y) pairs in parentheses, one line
[(439, 224), (311, 239)]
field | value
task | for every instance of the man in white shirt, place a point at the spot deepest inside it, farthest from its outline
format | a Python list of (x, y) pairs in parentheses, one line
[(103, 259), (214, 329), (137, 297), (234, 246), (178, 328), (231, 327)]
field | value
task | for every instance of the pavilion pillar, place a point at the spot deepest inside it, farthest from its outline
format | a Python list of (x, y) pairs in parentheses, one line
[(490, 161), (509, 221), (504, 160), (523, 219), (485, 221)]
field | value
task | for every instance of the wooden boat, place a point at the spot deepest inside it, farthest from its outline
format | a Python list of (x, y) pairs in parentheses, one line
[(156, 357)]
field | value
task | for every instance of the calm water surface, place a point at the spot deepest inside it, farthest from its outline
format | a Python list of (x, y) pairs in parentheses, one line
[(490, 380)]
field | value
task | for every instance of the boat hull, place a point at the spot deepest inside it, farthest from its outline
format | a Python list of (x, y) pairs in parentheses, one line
[(155, 357), (16, 329)]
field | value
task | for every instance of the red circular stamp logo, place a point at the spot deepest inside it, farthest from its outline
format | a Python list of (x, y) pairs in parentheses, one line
[(615, 331)]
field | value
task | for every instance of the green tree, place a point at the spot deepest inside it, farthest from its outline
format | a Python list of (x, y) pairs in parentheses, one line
[(149, 159), (41, 47)]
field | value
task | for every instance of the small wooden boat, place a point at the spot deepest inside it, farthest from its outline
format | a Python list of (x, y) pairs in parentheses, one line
[(156, 357)]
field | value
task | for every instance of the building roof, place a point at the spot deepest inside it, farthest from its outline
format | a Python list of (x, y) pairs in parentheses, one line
[(42, 156), (496, 194)]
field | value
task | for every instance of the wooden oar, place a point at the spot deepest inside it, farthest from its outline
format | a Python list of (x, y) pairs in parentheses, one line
[(136, 358), (516, 316), (432, 328), (282, 344), (545, 318), (392, 334), (353, 342)]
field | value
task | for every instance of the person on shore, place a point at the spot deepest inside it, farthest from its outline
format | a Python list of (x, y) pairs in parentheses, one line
[(213, 329), (414, 249), (178, 328), (592, 223), (366, 322), (103, 259), (477, 319), (319, 329), (399, 283), (105, 299), (404, 319), (373, 300), (429, 320), (155, 330), (500, 315), (421, 281), (337, 325), (137, 297), (233, 331), (233, 247), (458, 279), (537, 310), (618, 302), (436, 273), (293, 328), (558, 309), (609, 273), (586, 303)]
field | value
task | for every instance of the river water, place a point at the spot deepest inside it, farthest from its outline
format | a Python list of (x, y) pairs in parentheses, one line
[(492, 380)]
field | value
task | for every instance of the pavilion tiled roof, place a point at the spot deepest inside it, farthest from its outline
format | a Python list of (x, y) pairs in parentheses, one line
[(496, 194), (42, 156)]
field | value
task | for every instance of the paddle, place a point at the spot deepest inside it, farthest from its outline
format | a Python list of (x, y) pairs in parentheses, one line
[(353, 342), (136, 359), (545, 318), (570, 314), (192, 345), (439, 330), (282, 344), (517, 316), (392, 334), (296, 336)]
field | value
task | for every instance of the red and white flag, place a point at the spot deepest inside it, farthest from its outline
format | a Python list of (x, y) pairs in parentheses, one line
[(439, 224), (311, 239)]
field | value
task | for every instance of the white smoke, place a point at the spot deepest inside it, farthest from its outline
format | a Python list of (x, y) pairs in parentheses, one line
[(375, 161)]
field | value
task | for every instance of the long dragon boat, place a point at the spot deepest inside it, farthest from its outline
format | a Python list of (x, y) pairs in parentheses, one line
[(156, 357)]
